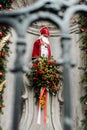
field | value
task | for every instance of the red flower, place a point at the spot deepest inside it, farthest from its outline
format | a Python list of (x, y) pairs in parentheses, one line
[(2, 54), (0, 6), (50, 61), (1, 34), (1, 74), (40, 72), (35, 65)]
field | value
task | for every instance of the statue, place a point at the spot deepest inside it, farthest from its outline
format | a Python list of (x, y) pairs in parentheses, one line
[(41, 45), (47, 114)]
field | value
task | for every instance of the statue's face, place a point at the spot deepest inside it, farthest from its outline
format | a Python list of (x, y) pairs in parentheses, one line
[(45, 36)]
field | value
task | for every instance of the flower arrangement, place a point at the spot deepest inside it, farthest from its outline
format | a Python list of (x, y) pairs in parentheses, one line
[(45, 73)]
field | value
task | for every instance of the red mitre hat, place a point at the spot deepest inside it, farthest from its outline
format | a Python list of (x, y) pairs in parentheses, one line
[(45, 31)]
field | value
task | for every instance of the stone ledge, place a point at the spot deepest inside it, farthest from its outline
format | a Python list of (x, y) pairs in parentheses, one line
[(53, 31)]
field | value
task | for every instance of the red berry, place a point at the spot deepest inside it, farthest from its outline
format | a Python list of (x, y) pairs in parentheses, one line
[(0, 34), (82, 30), (35, 65), (0, 6), (0, 106), (1, 74), (3, 55)]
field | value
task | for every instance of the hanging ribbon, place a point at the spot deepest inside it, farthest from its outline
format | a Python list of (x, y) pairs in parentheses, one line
[(48, 109), (45, 109), (39, 106), (43, 91)]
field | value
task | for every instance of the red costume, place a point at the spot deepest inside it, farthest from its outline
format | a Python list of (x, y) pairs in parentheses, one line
[(41, 46)]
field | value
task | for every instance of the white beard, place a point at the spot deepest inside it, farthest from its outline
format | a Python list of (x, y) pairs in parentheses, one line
[(44, 39)]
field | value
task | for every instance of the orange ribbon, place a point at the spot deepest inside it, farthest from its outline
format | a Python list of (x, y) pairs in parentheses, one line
[(45, 109), (45, 106)]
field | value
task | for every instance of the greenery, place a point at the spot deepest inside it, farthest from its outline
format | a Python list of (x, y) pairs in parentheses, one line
[(4, 51), (0, 128), (83, 47)]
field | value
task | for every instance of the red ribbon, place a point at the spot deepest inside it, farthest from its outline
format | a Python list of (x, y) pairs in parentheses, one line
[(45, 106), (42, 92)]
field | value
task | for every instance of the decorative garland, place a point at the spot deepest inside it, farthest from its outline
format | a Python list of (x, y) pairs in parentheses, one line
[(4, 41), (4, 51), (83, 47)]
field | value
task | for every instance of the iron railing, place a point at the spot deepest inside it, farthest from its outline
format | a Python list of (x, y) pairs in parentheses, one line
[(22, 18)]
